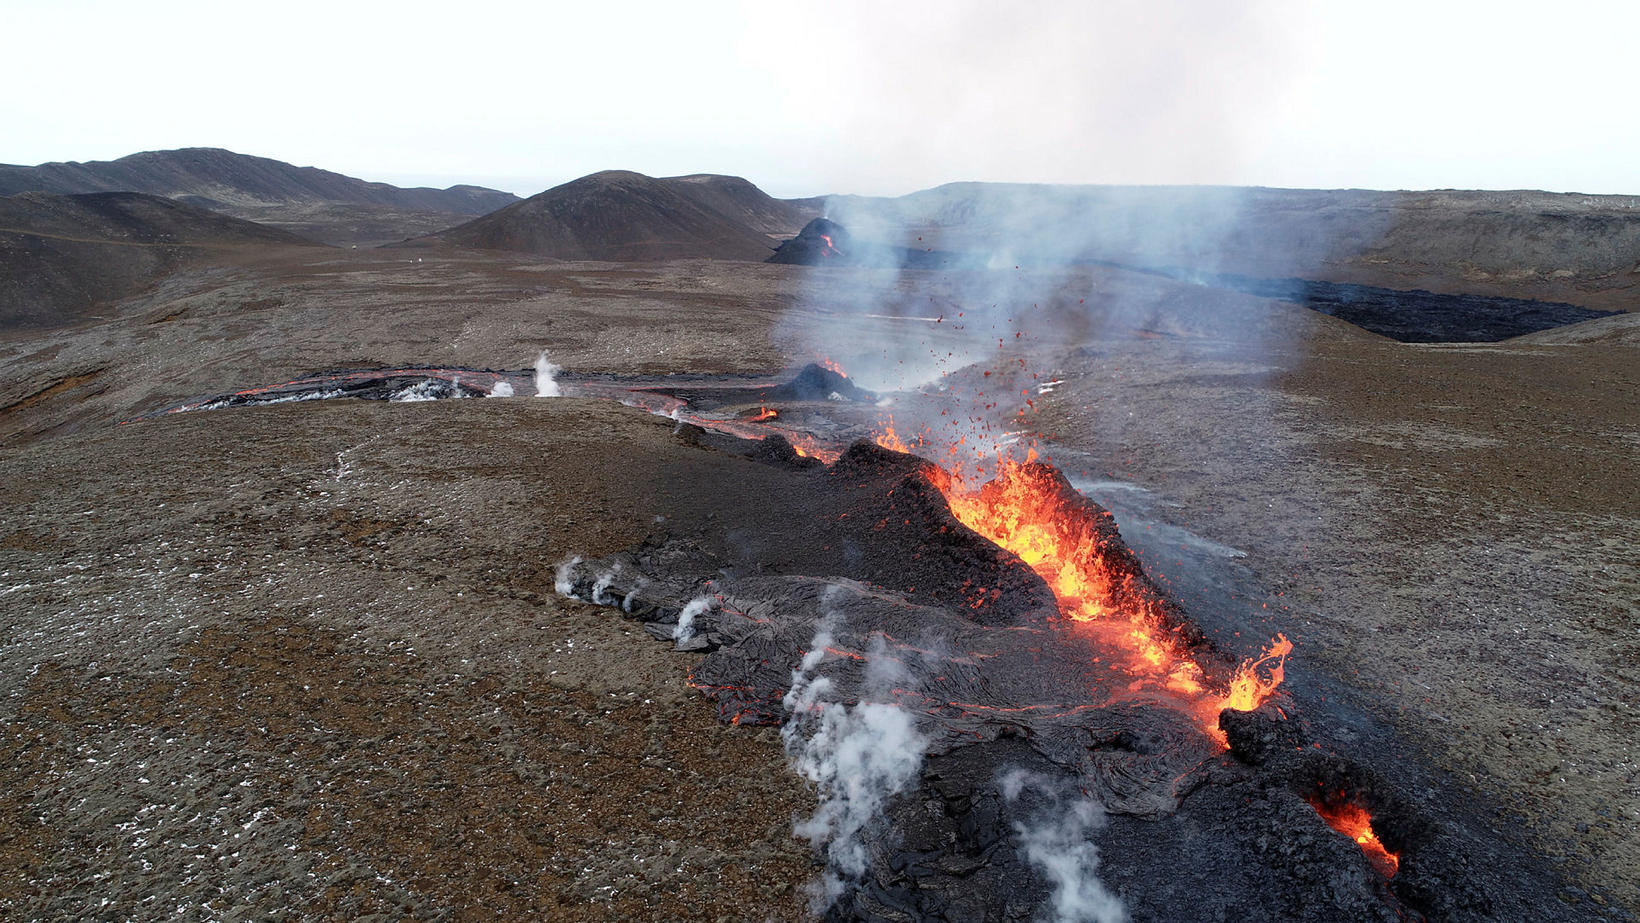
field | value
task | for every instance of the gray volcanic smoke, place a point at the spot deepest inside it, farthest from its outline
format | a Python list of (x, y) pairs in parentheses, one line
[(859, 756), (1057, 840), (1018, 284)]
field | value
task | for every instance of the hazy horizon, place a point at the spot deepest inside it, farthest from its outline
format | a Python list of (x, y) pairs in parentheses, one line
[(859, 100), (520, 187)]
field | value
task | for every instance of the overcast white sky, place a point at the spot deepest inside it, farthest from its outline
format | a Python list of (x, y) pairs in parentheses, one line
[(843, 96)]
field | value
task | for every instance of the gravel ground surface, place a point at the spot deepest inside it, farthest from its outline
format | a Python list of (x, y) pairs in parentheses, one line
[(293, 672), (305, 659)]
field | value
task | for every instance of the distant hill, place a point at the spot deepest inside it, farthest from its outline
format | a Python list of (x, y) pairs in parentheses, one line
[(328, 206), (217, 179), (623, 216), (63, 256), (739, 198), (1581, 249)]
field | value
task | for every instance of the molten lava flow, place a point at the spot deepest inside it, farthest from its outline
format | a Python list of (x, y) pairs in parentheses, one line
[(1248, 689), (831, 249), (888, 438), (750, 428), (1029, 510), (1353, 821), (831, 365), (1024, 511), (765, 413)]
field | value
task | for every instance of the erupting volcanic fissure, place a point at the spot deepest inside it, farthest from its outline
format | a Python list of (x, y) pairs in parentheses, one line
[(985, 603), (1031, 511)]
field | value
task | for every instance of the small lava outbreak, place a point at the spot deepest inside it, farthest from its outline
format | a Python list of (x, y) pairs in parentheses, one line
[(1355, 822)]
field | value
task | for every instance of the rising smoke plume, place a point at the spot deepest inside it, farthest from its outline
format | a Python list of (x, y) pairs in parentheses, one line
[(546, 376), (1004, 272), (1031, 281), (632, 594), (564, 578), (430, 390), (1055, 838), (859, 756), (684, 631), (601, 585)]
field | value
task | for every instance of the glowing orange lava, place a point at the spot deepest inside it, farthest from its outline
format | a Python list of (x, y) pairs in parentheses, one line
[(809, 447), (1031, 510), (765, 413), (1248, 688), (888, 438), (831, 365), (1353, 821)]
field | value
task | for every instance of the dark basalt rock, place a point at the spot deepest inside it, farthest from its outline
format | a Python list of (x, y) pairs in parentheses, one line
[(817, 383), (690, 434), (777, 450), (821, 240), (387, 384), (1420, 316), (865, 460), (824, 242), (1411, 316), (1256, 737)]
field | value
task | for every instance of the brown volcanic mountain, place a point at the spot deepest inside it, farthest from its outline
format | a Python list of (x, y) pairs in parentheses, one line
[(218, 179), (317, 203), (623, 216), (61, 256)]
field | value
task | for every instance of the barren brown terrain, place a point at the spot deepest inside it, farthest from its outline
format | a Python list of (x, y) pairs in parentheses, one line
[(313, 203), (64, 257), (306, 661)]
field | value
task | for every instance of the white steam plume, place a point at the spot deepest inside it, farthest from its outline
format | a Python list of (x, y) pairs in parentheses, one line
[(502, 389), (1056, 841), (859, 756), (685, 629), (564, 582), (429, 390), (631, 600), (546, 376), (884, 672), (600, 587)]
